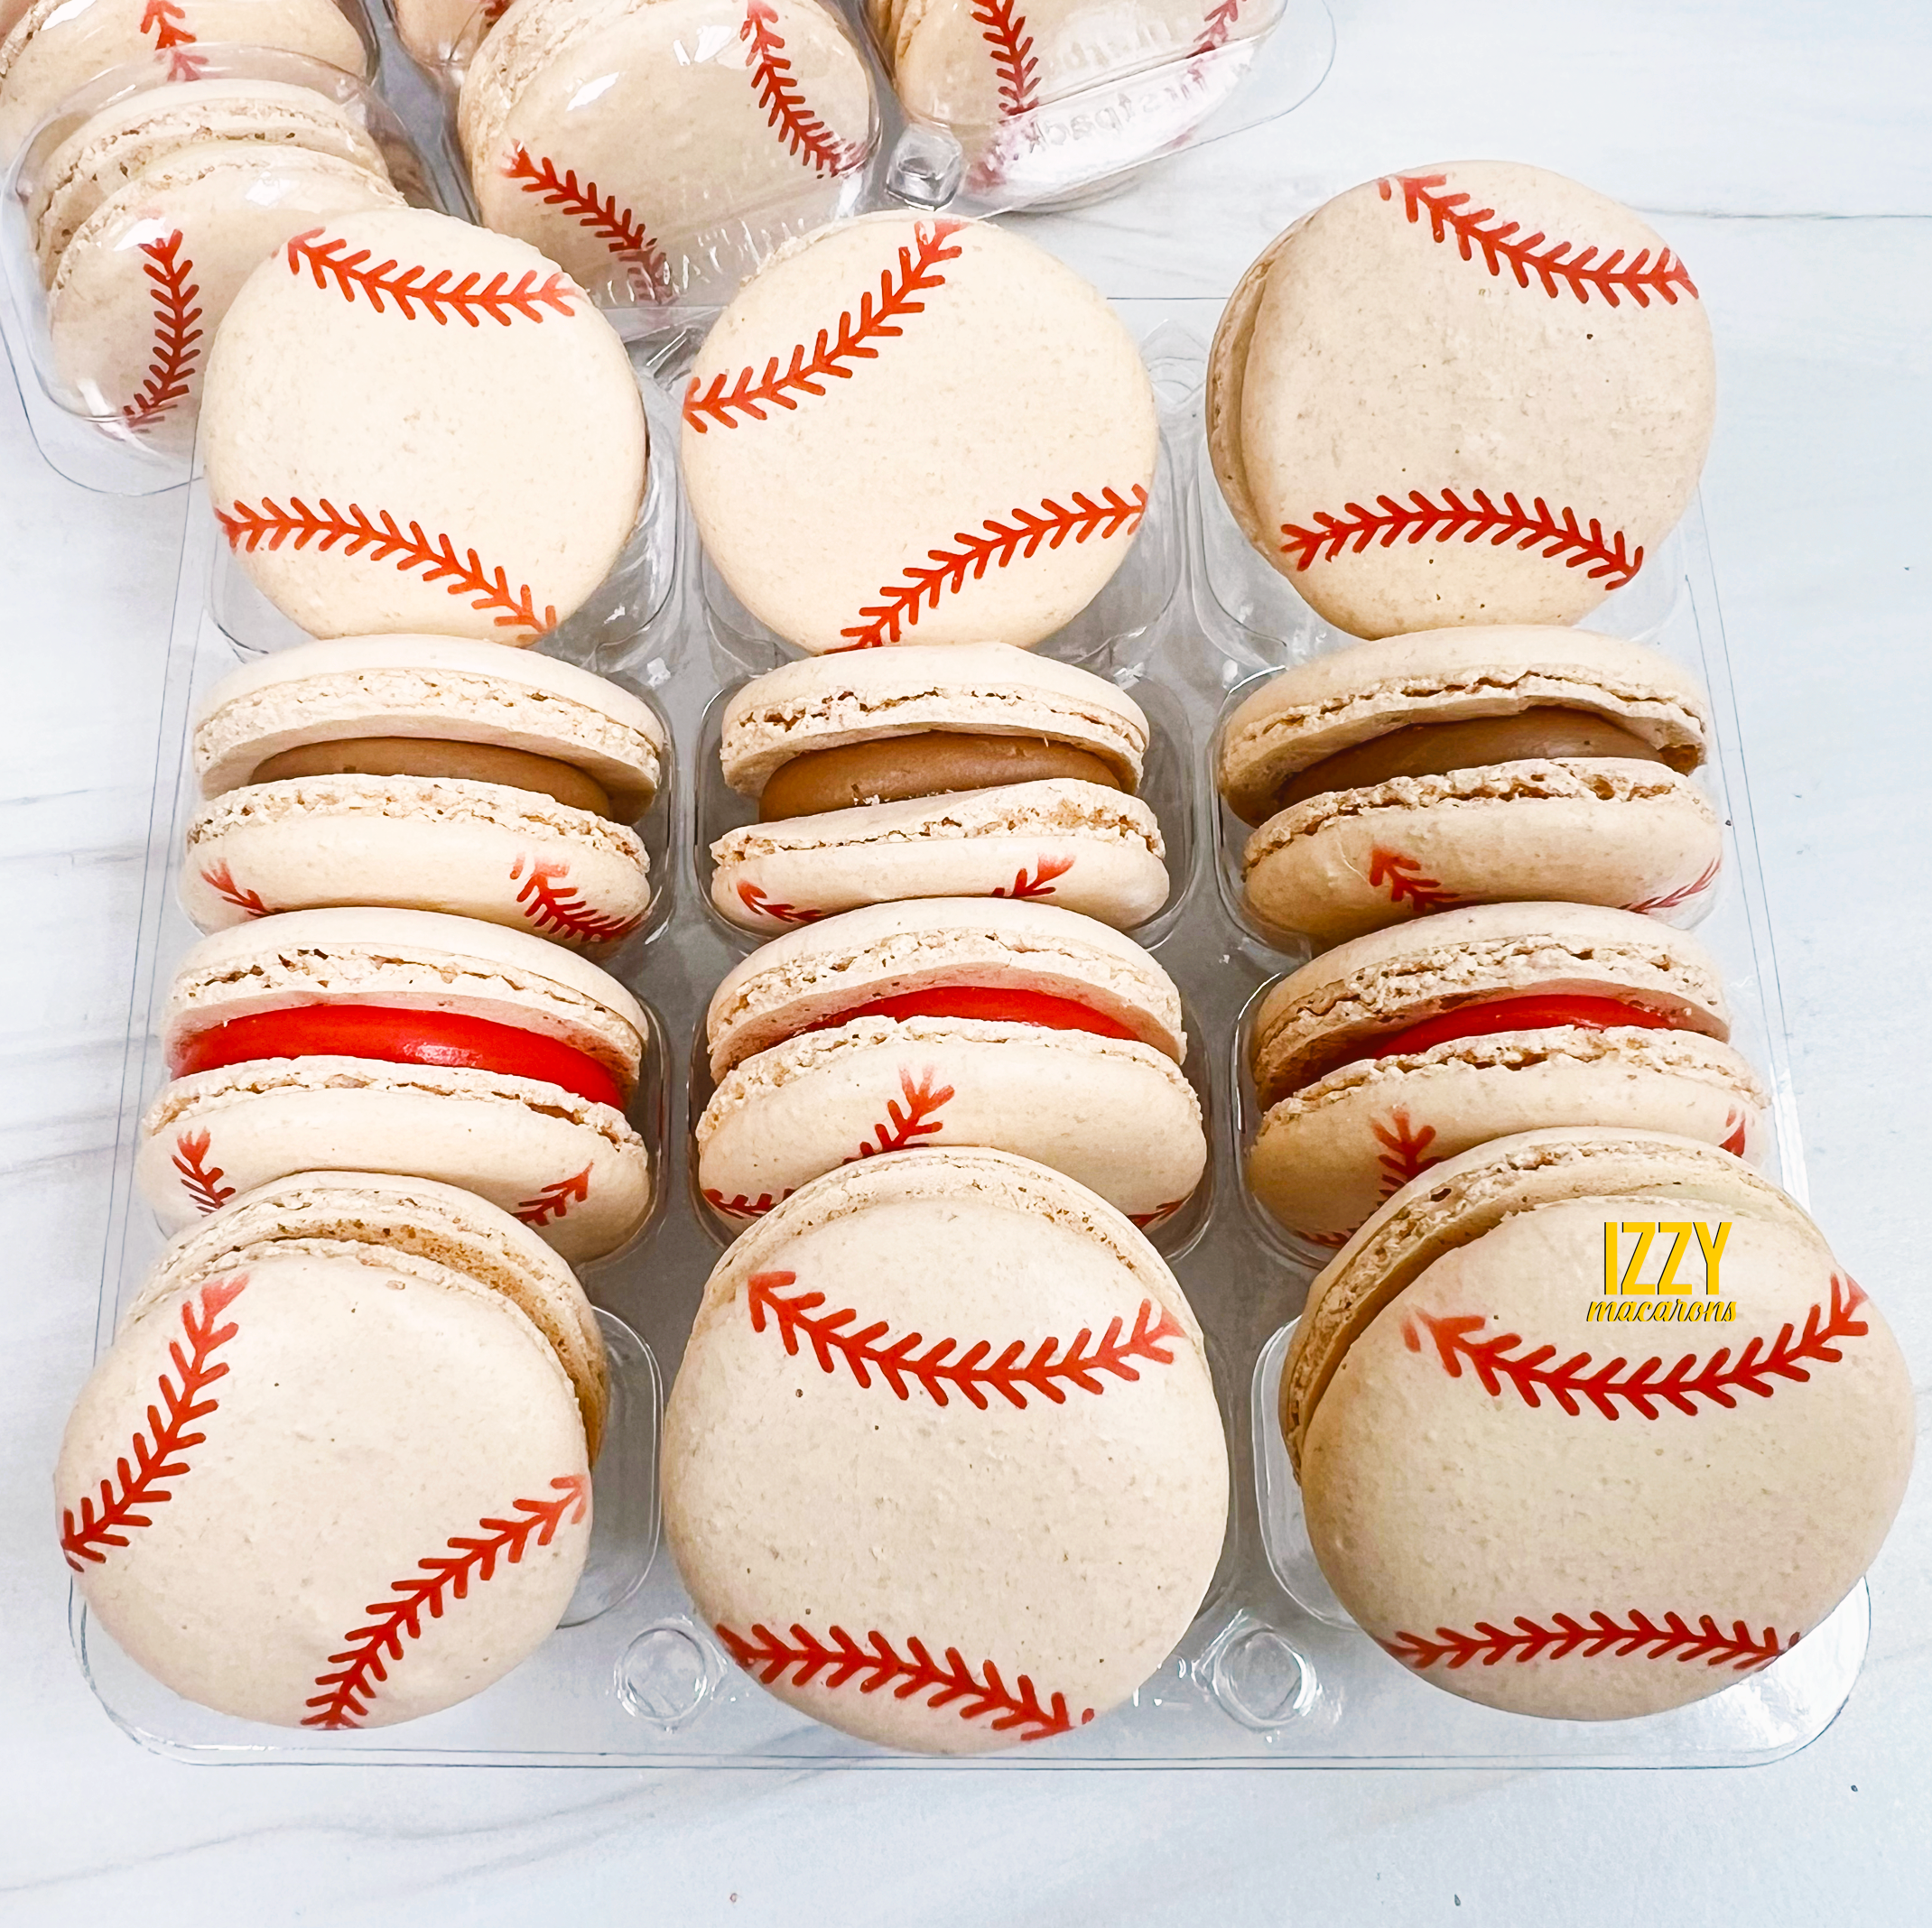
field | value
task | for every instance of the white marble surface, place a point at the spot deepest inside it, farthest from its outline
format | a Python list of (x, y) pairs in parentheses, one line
[(1785, 151)]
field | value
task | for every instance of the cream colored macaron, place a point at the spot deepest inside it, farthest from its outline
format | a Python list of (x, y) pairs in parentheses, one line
[(333, 1471), (439, 33), (998, 411), (429, 773), (1476, 393), (411, 424), (1398, 777), (1394, 1051), (427, 1045), (943, 1466), (1530, 1495)]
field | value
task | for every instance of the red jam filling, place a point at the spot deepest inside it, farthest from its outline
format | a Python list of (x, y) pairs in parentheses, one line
[(999, 1005), (1536, 1012), (448, 1039)]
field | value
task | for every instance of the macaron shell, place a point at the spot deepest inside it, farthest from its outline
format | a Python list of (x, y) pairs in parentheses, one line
[(1587, 831), (576, 1174), (801, 1494), (432, 29), (484, 851), (1325, 1159), (1118, 1118), (1043, 505), (1645, 1522), (358, 1415), (1086, 848), (519, 482)]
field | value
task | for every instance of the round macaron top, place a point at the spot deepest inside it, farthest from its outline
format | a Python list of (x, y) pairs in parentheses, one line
[(442, 688), (986, 689), (403, 962), (979, 957), (1461, 1198), (417, 1216), (1368, 690), (1364, 997)]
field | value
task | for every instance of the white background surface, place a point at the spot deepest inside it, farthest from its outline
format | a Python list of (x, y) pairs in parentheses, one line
[(1786, 149)]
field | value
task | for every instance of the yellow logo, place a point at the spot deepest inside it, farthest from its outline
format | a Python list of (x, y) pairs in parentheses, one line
[(1672, 1296)]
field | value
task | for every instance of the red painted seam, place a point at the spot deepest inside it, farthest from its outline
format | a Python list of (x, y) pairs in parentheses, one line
[(1003, 28), (1040, 882), (946, 572), (531, 297), (616, 227), (364, 1663), (1012, 1374), (382, 537), (555, 1199), (157, 1453), (875, 1663), (222, 881), (1684, 892), (1720, 1378), (741, 1207), (1407, 885), (1526, 1639), (1555, 267), (806, 137), (1735, 1126), (1608, 560), (755, 899), (1219, 23), (563, 913), (176, 337), (878, 318), (1403, 1147), (1147, 1220), (916, 1119), (199, 1180), (167, 20)]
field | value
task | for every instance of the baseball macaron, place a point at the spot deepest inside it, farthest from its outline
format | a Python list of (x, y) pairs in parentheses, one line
[(1470, 394), (1394, 1051), (944, 1022), (431, 1046), (333, 1472), (1393, 778), (964, 771), (943, 1466), (411, 424), (1531, 1495), (998, 411), (617, 134), (428, 773)]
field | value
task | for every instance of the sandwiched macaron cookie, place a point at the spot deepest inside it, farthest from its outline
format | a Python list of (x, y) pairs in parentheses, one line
[(1536, 1509), (432, 1046), (1470, 394), (950, 1021), (1398, 777), (1394, 1051), (333, 1472), (998, 411), (972, 770), (147, 277), (56, 46), (438, 31), (413, 424), (429, 773), (618, 134), (942, 1467)]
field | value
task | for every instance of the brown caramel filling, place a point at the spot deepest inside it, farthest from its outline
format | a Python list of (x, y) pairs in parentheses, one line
[(479, 763), (1434, 749), (894, 768)]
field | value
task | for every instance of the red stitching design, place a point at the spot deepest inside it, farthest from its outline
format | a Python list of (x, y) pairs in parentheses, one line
[(616, 227), (222, 881), (1219, 23), (755, 899), (916, 1119), (878, 319), (383, 537), (201, 1182), (1718, 1379), (555, 1199), (1147, 1220), (168, 23), (1683, 894), (175, 334), (1407, 885), (1012, 1375), (1051, 522), (767, 1657), (806, 137), (473, 300), (1609, 559), (740, 1207), (135, 1487), (1735, 1126), (563, 913), (363, 1667), (1402, 1146), (1003, 30), (1566, 1634), (1040, 884), (1639, 278)]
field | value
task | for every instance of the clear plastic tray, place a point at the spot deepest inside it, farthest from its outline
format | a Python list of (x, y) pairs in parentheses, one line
[(1272, 1673)]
